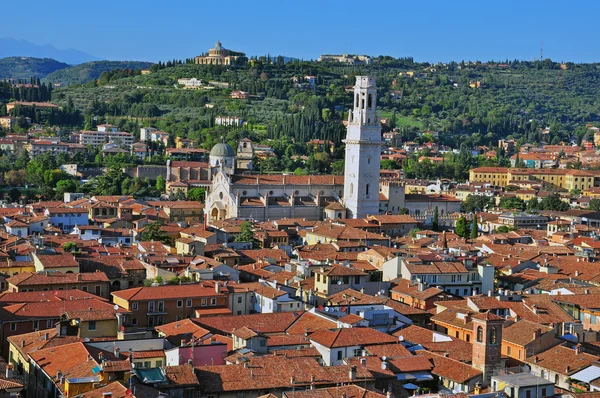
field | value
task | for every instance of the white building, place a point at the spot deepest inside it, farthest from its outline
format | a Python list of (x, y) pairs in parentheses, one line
[(363, 152), (229, 121), (99, 138), (190, 83), (145, 133)]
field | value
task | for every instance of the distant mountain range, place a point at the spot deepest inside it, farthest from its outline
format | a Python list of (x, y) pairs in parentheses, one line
[(10, 47), (59, 72)]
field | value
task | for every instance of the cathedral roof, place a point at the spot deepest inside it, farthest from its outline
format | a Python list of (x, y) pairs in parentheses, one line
[(222, 149)]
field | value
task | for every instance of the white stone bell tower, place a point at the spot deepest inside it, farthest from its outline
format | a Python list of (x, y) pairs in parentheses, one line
[(363, 150)]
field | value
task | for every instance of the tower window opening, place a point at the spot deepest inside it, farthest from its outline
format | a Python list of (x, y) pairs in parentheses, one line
[(367, 189), (479, 334), (351, 188), (357, 100), (362, 103), (370, 103)]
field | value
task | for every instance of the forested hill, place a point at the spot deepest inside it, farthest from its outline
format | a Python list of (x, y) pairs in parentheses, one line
[(83, 73), (27, 67), (471, 103)]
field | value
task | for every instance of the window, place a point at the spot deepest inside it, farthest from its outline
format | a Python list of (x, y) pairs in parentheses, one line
[(493, 336), (161, 306), (357, 279), (134, 321), (339, 355), (147, 364), (188, 303), (158, 364), (239, 300), (160, 320), (151, 306), (49, 323), (92, 325), (367, 189), (36, 325), (479, 334), (151, 321), (556, 380), (84, 288), (543, 392), (263, 342), (370, 102), (98, 290), (351, 188), (508, 350), (179, 303), (457, 334), (213, 301), (203, 302), (134, 306), (13, 327)]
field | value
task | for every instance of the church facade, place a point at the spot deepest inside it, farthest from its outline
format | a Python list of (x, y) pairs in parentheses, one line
[(237, 193)]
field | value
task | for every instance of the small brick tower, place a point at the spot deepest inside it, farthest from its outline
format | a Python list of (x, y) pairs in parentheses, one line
[(487, 342)]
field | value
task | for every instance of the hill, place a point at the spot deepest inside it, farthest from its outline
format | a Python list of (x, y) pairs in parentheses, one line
[(10, 47), (88, 71), (24, 68)]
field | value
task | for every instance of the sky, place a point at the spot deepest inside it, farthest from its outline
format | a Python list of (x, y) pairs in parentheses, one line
[(428, 30)]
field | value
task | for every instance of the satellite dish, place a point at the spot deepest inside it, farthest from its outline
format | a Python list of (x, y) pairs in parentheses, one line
[(327, 309), (382, 292), (339, 282), (116, 307)]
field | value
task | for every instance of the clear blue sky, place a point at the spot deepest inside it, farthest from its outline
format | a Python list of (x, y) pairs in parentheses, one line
[(431, 30)]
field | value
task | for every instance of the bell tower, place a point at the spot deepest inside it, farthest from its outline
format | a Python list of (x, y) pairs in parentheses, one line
[(363, 151), (487, 342)]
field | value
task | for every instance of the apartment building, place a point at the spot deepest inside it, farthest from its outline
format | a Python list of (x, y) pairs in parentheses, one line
[(99, 138)]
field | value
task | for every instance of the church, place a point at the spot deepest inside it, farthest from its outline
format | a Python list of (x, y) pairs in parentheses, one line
[(237, 193)]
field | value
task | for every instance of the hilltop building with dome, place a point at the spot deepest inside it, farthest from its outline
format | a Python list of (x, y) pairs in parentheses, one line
[(218, 55), (235, 192)]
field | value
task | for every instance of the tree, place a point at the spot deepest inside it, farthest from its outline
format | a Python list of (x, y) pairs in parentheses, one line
[(404, 210), (476, 202), (16, 177), (462, 227), (197, 194), (594, 204), (14, 194), (435, 224), (160, 184), (474, 228), (389, 164), (246, 233), (554, 203), (152, 232), (512, 202), (64, 186), (70, 247)]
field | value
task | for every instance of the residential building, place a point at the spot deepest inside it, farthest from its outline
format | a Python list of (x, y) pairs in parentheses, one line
[(67, 218), (156, 305), (522, 385), (93, 282), (99, 138)]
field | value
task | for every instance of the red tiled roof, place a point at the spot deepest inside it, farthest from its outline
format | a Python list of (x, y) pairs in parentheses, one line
[(346, 337)]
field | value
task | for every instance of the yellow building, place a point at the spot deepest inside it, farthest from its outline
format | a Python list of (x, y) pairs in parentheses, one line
[(560, 178), (497, 176), (218, 55)]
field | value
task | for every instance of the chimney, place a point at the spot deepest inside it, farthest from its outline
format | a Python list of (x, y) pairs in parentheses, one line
[(537, 334), (292, 380), (352, 373), (363, 361), (578, 349), (421, 286), (89, 357), (535, 359), (46, 336), (9, 371), (312, 382), (22, 343), (116, 351), (389, 394)]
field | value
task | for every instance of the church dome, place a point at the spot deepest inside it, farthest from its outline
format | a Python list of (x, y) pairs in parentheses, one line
[(222, 149)]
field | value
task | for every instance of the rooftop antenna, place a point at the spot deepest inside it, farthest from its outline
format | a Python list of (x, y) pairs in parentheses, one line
[(542, 51)]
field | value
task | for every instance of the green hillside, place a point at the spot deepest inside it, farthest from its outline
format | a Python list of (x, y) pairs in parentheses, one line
[(83, 73), (26, 67)]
